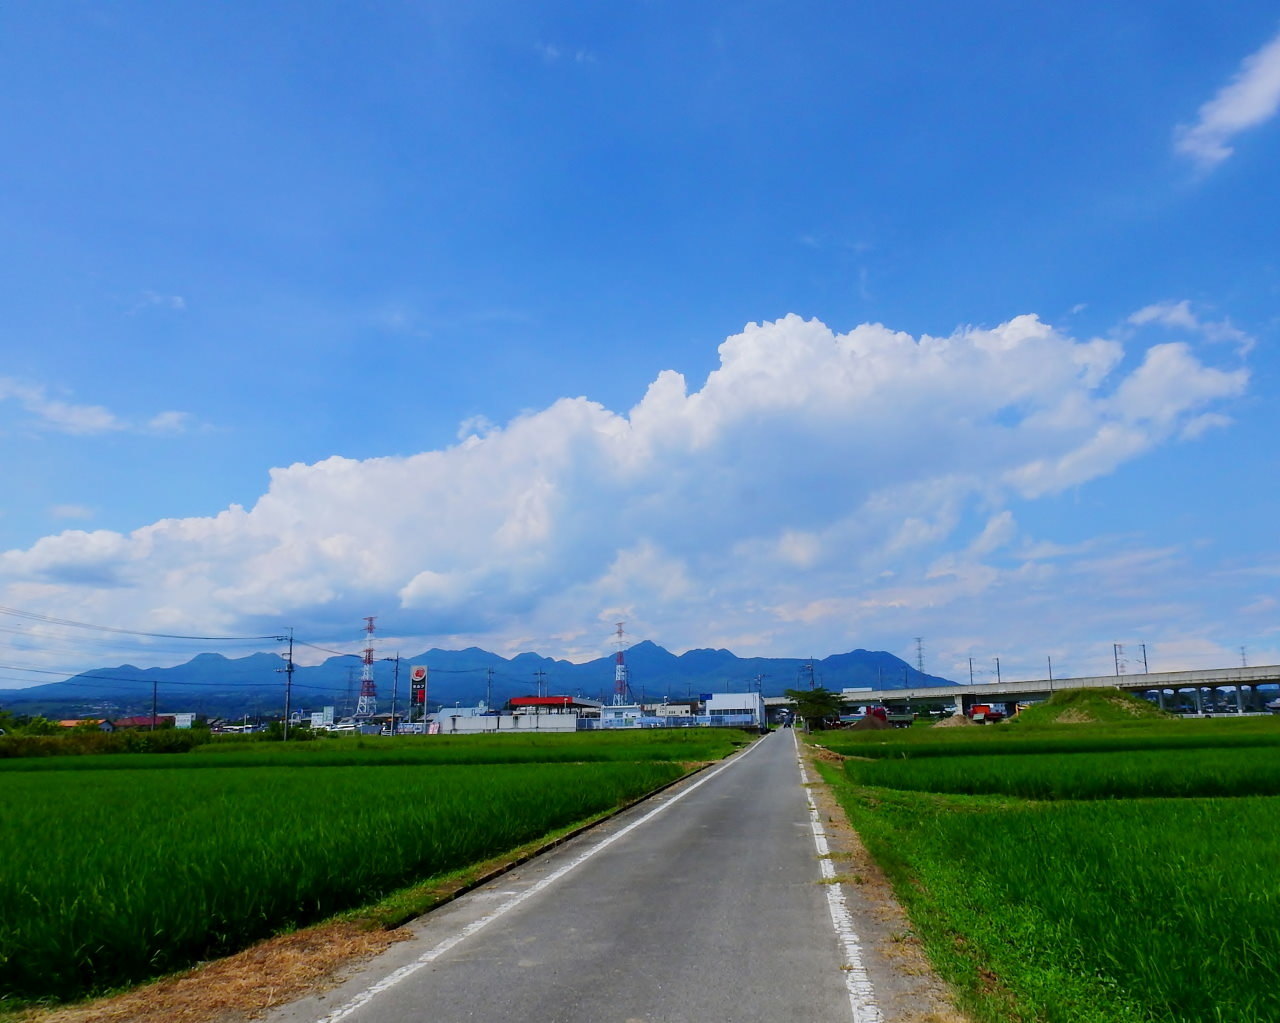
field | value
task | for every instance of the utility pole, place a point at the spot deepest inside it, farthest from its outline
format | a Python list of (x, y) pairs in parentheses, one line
[(1145, 669), (997, 670), (1115, 651), (1050, 656), (288, 677), (621, 673), (395, 690), (488, 689), (154, 685), (970, 671), (540, 675)]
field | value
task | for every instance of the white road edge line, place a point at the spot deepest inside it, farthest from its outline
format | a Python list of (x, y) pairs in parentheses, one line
[(862, 997), (431, 955)]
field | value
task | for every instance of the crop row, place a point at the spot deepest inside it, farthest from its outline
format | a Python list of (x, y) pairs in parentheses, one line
[(683, 745), (1009, 741), (109, 877), (1142, 774), (1115, 912)]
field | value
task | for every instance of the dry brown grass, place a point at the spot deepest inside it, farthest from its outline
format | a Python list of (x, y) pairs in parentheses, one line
[(239, 987)]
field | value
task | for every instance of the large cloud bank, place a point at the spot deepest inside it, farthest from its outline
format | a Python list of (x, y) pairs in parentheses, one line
[(808, 469)]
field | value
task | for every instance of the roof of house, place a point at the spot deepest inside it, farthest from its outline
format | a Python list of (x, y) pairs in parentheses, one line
[(552, 701)]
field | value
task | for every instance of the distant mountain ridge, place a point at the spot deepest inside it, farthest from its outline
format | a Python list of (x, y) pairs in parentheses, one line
[(219, 686)]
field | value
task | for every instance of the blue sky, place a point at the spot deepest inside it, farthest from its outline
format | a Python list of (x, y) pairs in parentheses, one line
[(315, 311)]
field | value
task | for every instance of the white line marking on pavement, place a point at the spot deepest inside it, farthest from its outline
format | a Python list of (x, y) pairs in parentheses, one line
[(862, 997), (430, 956)]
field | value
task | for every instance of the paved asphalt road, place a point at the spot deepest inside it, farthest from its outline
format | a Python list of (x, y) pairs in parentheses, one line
[(703, 906)]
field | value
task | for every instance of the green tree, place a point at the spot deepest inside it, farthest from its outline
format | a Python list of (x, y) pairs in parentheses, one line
[(819, 707), (40, 726)]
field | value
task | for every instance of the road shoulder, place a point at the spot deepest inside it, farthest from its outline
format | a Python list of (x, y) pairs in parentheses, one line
[(906, 986)]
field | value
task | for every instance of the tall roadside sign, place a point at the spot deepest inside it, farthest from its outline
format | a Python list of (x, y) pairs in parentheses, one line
[(418, 690)]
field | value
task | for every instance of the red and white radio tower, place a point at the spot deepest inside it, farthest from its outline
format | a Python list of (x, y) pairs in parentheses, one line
[(620, 672), (368, 703)]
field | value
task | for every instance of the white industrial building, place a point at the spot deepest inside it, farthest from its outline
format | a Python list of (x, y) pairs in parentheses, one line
[(745, 709), (525, 714)]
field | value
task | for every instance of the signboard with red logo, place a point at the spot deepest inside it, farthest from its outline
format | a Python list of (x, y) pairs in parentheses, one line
[(418, 683)]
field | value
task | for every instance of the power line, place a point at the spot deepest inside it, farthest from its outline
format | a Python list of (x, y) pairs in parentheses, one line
[(317, 646), (79, 680), (50, 620)]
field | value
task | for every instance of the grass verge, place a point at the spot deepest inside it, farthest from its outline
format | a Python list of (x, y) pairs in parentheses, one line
[(1124, 911)]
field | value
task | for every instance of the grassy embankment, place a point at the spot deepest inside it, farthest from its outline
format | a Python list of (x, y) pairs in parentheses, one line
[(1114, 871), (115, 869)]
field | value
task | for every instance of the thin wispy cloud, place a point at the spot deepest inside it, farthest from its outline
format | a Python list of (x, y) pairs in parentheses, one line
[(170, 422), (56, 414), (1251, 98), (154, 300), (1180, 316), (59, 415), (552, 53), (71, 511)]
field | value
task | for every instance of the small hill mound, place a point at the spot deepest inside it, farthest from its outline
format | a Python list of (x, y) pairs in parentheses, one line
[(955, 721), (1091, 707)]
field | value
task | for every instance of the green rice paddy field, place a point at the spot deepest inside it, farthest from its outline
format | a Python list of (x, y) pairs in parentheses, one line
[(1083, 874), (115, 869)]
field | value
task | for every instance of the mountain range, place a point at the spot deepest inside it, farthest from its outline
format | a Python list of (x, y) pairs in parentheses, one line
[(219, 686)]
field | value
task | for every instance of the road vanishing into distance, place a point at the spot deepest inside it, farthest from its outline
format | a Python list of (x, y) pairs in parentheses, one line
[(703, 904)]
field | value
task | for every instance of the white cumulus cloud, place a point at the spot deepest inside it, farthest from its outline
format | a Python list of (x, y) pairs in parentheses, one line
[(807, 469)]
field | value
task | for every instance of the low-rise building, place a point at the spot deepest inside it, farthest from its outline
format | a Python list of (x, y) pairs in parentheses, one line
[(743, 709)]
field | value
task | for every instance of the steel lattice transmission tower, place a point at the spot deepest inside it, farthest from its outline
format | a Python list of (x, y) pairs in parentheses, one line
[(368, 705), (620, 671)]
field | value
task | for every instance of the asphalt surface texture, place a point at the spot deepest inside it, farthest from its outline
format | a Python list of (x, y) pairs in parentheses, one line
[(701, 905)]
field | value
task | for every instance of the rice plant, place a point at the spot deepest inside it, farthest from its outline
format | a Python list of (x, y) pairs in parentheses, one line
[(1249, 771), (112, 876)]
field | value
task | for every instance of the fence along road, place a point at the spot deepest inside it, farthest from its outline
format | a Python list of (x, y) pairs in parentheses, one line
[(703, 904)]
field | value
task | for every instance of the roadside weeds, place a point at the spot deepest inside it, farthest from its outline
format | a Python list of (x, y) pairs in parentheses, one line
[(907, 988)]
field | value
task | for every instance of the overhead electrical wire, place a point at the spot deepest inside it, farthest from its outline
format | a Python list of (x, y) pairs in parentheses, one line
[(317, 646), (50, 620)]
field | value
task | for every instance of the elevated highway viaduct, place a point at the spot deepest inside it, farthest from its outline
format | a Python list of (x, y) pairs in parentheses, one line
[(1201, 689)]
